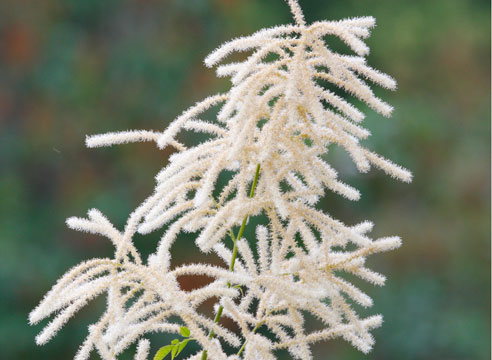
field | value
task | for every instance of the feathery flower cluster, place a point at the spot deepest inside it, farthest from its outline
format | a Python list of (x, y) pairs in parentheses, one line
[(268, 139)]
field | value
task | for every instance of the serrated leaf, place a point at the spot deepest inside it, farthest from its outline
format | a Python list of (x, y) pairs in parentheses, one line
[(182, 345), (162, 352), (185, 331)]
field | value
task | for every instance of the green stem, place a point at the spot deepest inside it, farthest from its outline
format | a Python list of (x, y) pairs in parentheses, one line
[(234, 253), (254, 330)]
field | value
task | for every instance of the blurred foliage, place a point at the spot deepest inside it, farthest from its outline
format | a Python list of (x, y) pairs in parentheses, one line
[(70, 68)]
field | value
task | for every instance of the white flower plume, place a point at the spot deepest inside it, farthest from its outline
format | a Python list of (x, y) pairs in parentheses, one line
[(283, 287), (141, 298), (267, 145)]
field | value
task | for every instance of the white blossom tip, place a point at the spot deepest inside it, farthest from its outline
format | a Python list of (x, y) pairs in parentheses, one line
[(142, 349), (122, 137), (35, 316), (76, 223), (388, 243)]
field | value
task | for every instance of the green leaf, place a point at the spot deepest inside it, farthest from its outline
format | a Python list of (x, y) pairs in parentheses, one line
[(175, 350), (185, 331), (182, 345), (162, 352), (175, 341)]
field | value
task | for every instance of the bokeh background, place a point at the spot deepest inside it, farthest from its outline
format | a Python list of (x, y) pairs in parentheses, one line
[(70, 68)]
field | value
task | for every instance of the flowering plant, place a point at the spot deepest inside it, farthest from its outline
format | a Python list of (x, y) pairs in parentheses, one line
[(269, 140)]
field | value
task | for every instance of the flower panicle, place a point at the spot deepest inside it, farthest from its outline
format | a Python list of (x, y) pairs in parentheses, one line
[(265, 155)]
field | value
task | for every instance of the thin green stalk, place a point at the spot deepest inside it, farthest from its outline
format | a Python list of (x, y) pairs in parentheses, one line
[(254, 330), (234, 252)]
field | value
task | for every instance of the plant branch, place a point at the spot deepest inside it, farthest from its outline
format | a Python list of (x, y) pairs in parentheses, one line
[(254, 330), (234, 253)]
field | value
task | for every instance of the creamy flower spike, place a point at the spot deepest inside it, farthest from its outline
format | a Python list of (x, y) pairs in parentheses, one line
[(268, 142)]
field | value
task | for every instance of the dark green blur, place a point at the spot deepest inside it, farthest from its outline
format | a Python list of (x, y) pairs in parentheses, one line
[(75, 67)]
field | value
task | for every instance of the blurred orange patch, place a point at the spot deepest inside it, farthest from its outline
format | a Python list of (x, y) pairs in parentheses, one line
[(18, 45)]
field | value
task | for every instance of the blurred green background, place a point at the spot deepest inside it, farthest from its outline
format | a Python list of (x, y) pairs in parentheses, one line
[(72, 67)]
